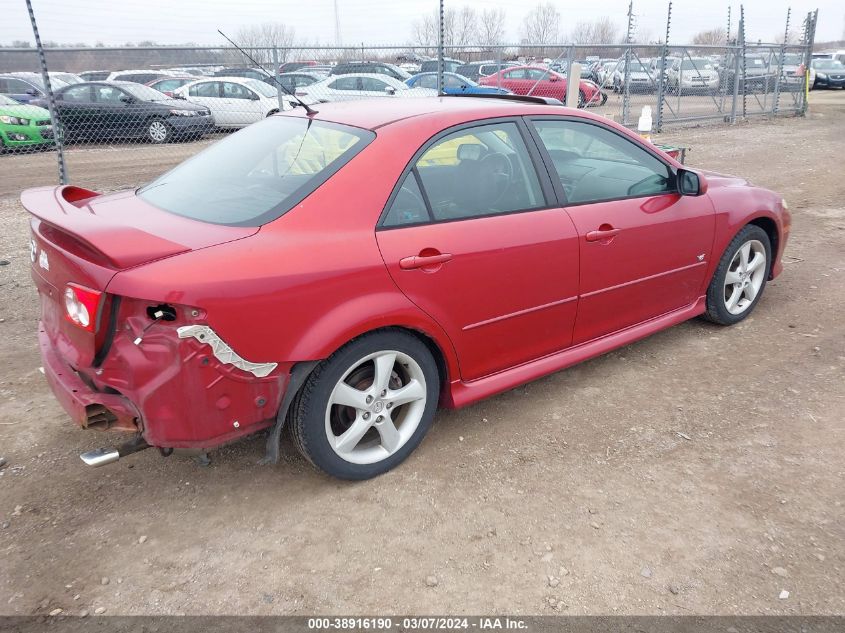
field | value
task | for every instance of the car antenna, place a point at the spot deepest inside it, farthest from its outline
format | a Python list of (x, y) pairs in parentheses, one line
[(308, 109)]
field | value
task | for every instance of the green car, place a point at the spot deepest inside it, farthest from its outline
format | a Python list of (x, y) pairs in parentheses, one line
[(23, 126)]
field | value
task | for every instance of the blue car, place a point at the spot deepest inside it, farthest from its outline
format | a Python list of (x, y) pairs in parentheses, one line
[(454, 84)]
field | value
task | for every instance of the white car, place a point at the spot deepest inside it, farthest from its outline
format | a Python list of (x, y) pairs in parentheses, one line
[(359, 86), (234, 101), (691, 74), (139, 76)]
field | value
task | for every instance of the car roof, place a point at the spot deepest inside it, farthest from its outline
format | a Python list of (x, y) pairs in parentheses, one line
[(247, 81), (372, 114)]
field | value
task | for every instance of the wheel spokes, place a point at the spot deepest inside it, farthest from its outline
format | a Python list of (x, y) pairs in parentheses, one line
[(348, 396), (390, 438), (732, 278), (757, 261), (736, 294), (750, 291), (383, 371), (352, 436), (409, 393), (744, 252)]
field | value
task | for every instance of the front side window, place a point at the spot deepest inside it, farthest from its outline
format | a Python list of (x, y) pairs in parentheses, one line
[(258, 174), (427, 81), (474, 172), (371, 84), (77, 94), (594, 163), (107, 94), (235, 91)]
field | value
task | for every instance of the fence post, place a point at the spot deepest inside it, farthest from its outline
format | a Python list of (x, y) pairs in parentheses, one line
[(661, 80), (276, 76), (626, 80), (440, 65), (742, 53), (498, 67), (58, 132), (570, 55), (737, 52), (812, 17)]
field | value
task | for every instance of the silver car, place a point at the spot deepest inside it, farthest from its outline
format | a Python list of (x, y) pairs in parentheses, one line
[(358, 86)]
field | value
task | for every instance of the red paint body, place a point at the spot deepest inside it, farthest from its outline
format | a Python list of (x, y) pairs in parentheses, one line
[(522, 295), (551, 85)]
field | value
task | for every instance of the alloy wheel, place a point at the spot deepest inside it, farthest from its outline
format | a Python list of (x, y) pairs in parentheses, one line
[(375, 407), (745, 276), (158, 131)]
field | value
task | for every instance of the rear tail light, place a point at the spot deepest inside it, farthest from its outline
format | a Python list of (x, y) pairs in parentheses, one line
[(81, 305)]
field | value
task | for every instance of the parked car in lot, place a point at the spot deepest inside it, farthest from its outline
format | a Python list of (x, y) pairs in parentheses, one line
[(640, 78), (432, 66), (246, 73), (294, 80), (542, 82), (289, 67), (829, 73), (94, 75), (370, 68), (106, 110), (234, 101), (261, 283), (692, 74), (139, 76), (65, 78), (477, 70), (23, 126), (26, 87), (358, 86), (758, 74), (453, 84), (167, 85)]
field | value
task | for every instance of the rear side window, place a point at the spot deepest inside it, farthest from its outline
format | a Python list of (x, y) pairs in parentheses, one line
[(473, 172), (595, 164), (259, 173)]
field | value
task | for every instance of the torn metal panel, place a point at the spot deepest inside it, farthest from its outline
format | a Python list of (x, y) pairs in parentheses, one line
[(223, 352)]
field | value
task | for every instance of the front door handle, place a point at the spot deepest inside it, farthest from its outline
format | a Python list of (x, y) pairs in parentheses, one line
[(424, 261), (602, 234)]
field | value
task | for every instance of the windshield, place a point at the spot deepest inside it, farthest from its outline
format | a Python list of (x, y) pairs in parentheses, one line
[(145, 93), (262, 88), (791, 60), (827, 64), (259, 173), (696, 64), (636, 67)]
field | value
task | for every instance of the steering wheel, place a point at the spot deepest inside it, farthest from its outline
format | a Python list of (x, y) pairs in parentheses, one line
[(495, 176)]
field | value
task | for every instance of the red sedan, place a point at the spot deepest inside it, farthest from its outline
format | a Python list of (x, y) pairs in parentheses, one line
[(542, 82), (343, 273)]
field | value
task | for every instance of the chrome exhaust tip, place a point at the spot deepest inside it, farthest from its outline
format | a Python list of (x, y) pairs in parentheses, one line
[(100, 457)]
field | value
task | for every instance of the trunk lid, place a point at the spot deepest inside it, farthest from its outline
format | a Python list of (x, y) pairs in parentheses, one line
[(82, 237)]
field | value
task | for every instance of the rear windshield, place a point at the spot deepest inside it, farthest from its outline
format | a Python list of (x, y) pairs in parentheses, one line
[(259, 173)]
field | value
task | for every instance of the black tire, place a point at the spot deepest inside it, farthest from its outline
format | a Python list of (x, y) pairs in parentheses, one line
[(159, 131), (582, 99), (307, 421), (717, 311)]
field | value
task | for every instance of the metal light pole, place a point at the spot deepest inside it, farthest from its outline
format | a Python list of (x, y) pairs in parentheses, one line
[(51, 99)]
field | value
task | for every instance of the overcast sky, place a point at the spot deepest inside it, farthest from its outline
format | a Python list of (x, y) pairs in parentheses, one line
[(375, 21)]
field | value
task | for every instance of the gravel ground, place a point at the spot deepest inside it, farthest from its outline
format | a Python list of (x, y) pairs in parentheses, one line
[(699, 471)]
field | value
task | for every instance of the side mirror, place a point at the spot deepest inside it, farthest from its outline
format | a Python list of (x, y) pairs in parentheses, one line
[(32, 92), (127, 99), (690, 183), (390, 90)]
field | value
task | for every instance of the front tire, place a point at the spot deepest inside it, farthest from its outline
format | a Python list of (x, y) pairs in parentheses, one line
[(368, 406), (740, 277)]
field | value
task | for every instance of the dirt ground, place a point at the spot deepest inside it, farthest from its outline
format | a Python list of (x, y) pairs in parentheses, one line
[(699, 471)]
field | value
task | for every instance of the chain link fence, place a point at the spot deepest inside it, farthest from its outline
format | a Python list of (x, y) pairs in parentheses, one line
[(170, 102)]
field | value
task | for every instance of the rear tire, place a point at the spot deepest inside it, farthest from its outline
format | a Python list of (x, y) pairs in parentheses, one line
[(582, 99), (159, 131), (740, 277), (368, 406)]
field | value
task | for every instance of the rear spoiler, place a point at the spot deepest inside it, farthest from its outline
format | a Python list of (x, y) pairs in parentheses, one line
[(67, 211)]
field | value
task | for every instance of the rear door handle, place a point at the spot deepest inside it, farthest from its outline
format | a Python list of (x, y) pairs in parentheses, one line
[(423, 261), (602, 234)]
